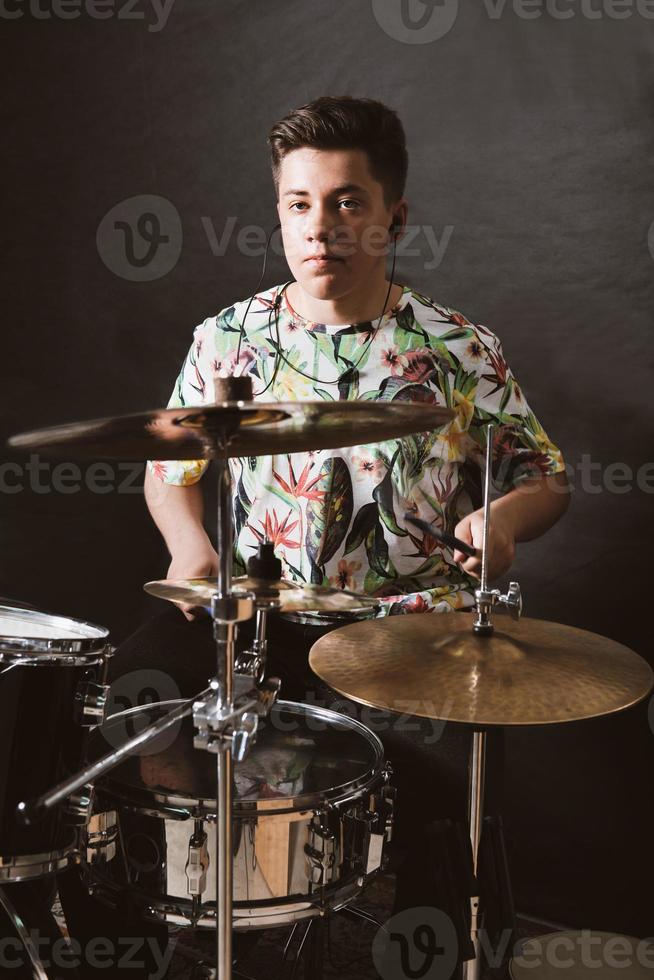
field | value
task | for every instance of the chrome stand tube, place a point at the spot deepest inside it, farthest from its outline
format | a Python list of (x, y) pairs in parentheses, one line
[(487, 485), (224, 537), (224, 865), (225, 634), (482, 623), (260, 645), (215, 719), (472, 968)]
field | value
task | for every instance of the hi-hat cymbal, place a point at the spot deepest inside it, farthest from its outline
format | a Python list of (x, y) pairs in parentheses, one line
[(241, 429), (292, 596), (529, 672)]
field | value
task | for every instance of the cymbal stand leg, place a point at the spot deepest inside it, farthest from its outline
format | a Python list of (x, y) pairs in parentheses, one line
[(472, 968), (38, 971), (356, 914)]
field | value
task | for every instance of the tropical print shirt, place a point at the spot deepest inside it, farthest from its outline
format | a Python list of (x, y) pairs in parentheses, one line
[(338, 516)]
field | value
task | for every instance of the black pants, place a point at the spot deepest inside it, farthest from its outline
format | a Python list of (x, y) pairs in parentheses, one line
[(170, 657)]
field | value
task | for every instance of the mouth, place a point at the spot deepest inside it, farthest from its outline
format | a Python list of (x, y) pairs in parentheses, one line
[(323, 261)]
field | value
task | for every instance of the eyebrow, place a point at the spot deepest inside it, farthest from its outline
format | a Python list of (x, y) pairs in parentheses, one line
[(344, 189)]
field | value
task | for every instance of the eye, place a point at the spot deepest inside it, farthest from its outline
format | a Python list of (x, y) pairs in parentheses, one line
[(296, 205), (352, 205)]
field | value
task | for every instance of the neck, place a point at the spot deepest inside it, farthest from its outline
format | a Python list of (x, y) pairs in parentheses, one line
[(357, 306)]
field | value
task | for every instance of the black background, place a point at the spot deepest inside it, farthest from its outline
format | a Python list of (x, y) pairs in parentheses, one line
[(531, 138)]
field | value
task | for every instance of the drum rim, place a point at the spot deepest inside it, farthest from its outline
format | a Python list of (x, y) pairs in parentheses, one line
[(65, 651), (281, 910), (158, 800), (24, 867)]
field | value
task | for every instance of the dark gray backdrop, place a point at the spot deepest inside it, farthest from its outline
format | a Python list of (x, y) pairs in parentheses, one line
[(530, 138)]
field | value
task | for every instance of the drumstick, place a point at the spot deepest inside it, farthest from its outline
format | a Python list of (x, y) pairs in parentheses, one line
[(443, 536)]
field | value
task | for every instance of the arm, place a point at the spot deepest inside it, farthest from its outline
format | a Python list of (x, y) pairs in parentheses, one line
[(527, 467), (172, 492), (522, 514), (177, 511)]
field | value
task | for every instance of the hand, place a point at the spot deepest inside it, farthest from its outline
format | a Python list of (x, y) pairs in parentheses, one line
[(501, 543), (200, 561)]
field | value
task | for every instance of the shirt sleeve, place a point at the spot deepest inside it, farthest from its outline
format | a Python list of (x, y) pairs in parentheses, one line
[(194, 386), (522, 449)]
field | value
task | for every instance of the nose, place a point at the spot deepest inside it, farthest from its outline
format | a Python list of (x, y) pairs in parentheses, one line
[(321, 225)]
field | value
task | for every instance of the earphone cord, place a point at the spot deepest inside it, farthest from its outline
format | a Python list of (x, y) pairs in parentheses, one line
[(258, 286), (349, 370), (277, 360)]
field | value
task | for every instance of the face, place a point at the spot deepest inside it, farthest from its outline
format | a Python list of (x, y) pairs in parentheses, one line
[(335, 222)]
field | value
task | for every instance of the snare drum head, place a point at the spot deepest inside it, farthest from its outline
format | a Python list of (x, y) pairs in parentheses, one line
[(30, 633), (303, 756)]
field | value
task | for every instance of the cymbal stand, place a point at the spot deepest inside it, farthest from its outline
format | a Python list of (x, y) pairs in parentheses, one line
[(485, 600), (221, 729)]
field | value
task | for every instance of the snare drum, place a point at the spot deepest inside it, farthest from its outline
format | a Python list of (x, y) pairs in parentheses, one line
[(312, 814), (51, 692)]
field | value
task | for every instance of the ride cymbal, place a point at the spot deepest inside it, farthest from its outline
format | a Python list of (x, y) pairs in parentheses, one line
[(529, 672), (235, 429)]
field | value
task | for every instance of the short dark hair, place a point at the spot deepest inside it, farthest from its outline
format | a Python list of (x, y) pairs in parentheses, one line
[(343, 122)]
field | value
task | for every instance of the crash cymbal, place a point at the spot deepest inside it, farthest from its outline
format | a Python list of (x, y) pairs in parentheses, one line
[(293, 596), (529, 672), (255, 429)]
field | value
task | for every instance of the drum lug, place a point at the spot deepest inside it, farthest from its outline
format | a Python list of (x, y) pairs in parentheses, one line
[(321, 854), (78, 806), (197, 863), (90, 703), (369, 837), (373, 855), (382, 804), (101, 837), (375, 826)]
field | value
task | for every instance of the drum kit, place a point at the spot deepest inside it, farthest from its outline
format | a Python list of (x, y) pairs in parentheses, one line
[(290, 805)]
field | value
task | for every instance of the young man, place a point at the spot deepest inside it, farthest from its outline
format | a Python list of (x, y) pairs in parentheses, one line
[(341, 329)]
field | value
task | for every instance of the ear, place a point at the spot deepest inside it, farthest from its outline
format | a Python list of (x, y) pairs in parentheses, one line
[(399, 217)]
